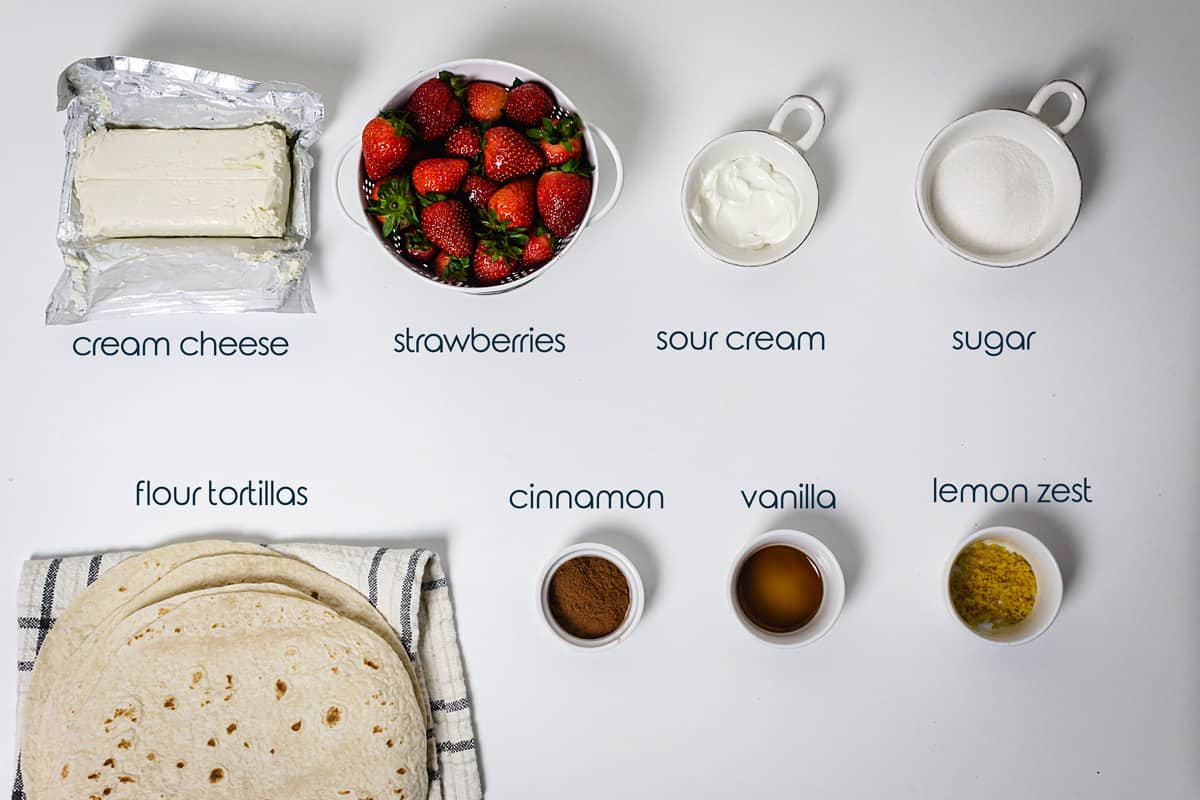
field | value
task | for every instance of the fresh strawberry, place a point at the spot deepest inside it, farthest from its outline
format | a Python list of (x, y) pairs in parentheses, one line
[(514, 202), (563, 194), (479, 190), (393, 204), (492, 263), (439, 175), (560, 139), (386, 141), (528, 103), (418, 247), (464, 141), (508, 154), (447, 223), (539, 249), (485, 100), (434, 107), (452, 269)]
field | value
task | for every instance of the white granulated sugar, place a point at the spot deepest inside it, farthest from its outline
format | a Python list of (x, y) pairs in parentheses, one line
[(992, 195)]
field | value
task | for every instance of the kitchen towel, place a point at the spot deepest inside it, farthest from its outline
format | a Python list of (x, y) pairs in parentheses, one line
[(408, 586)]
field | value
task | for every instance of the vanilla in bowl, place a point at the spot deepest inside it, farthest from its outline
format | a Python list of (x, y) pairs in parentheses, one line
[(787, 588)]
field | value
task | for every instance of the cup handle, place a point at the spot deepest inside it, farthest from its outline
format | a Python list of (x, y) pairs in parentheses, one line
[(1072, 91), (619, 184), (354, 146), (816, 116)]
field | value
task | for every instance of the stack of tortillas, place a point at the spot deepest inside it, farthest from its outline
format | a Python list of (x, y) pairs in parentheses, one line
[(222, 670)]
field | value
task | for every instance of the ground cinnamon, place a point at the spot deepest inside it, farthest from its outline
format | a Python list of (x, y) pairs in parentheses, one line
[(589, 597)]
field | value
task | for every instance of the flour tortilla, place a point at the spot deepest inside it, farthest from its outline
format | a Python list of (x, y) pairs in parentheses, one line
[(258, 694), (159, 582)]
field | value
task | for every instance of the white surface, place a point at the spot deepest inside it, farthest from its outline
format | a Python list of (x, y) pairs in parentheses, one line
[(894, 701)]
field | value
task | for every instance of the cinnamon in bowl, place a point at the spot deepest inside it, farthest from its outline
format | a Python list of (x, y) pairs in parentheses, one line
[(591, 596)]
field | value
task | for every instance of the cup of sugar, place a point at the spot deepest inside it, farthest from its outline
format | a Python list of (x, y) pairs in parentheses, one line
[(1001, 187)]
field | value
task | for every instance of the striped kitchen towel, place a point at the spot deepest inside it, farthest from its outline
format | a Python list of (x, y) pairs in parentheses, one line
[(408, 586)]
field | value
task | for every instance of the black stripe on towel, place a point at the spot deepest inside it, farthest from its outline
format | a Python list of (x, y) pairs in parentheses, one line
[(406, 593), (429, 586), (94, 569), (448, 706), (456, 747), (19, 783), (47, 603), (373, 577)]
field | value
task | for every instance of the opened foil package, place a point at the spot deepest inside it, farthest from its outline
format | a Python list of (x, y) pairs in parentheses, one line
[(185, 191)]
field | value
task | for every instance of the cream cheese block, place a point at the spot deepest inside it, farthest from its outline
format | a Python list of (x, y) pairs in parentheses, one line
[(187, 182)]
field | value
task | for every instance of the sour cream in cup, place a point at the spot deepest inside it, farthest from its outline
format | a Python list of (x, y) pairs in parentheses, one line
[(750, 197)]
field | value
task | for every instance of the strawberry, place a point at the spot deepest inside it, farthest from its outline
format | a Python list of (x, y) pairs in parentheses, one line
[(452, 269), (434, 108), (464, 141), (418, 247), (560, 139), (439, 175), (479, 190), (447, 223), (539, 249), (563, 194), (485, 100), (393, 205), (528, 103), (514, 203), (386, 140), (492, 263), (508, 154)]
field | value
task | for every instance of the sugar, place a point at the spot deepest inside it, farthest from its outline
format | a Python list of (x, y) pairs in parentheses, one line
[(992, 195)]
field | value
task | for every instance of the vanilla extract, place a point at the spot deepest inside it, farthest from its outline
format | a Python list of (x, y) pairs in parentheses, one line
[(805, 497)]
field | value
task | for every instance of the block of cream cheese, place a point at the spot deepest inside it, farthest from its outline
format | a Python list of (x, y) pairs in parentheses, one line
[(187, 182)]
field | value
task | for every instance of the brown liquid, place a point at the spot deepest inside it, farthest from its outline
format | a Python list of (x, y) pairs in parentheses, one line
[(779, 588)]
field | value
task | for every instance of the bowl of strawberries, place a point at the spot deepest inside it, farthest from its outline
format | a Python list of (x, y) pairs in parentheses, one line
[(479, 175)]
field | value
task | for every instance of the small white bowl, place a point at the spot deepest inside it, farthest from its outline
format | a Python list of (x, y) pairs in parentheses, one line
[(1049, 585), (786, 157), (831, 576), (637, 595), (1023, 128)]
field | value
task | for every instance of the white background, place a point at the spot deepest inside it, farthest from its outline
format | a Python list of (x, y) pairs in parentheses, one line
[(896, 701)]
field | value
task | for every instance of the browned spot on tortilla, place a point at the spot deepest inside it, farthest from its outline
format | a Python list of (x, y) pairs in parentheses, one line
[(377, 729), (344, 791), (197, 677), (228, 681), (228, 697), (150, 756), (124, 744), (66, 770), (95, 776), (315, 595), (179, 630), (108, 762), (126, 779), (231, 728), (246, 745), (370, 663), (389, 742), (122, 589), (180, 764), (216, 776), (212, 742), (107, 791), (280, 689), (297, 725), (400, 771), (333, 716), (272, 751), (169, 703), (162, 612), (334, 670)]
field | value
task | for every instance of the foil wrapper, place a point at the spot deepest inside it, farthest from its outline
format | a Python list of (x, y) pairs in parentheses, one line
[(126, 277)]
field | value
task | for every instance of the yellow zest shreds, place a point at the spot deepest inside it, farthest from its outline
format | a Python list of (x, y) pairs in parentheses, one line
[(992, 585)]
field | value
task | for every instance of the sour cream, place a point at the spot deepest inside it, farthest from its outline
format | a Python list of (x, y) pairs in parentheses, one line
[(746, 203)]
